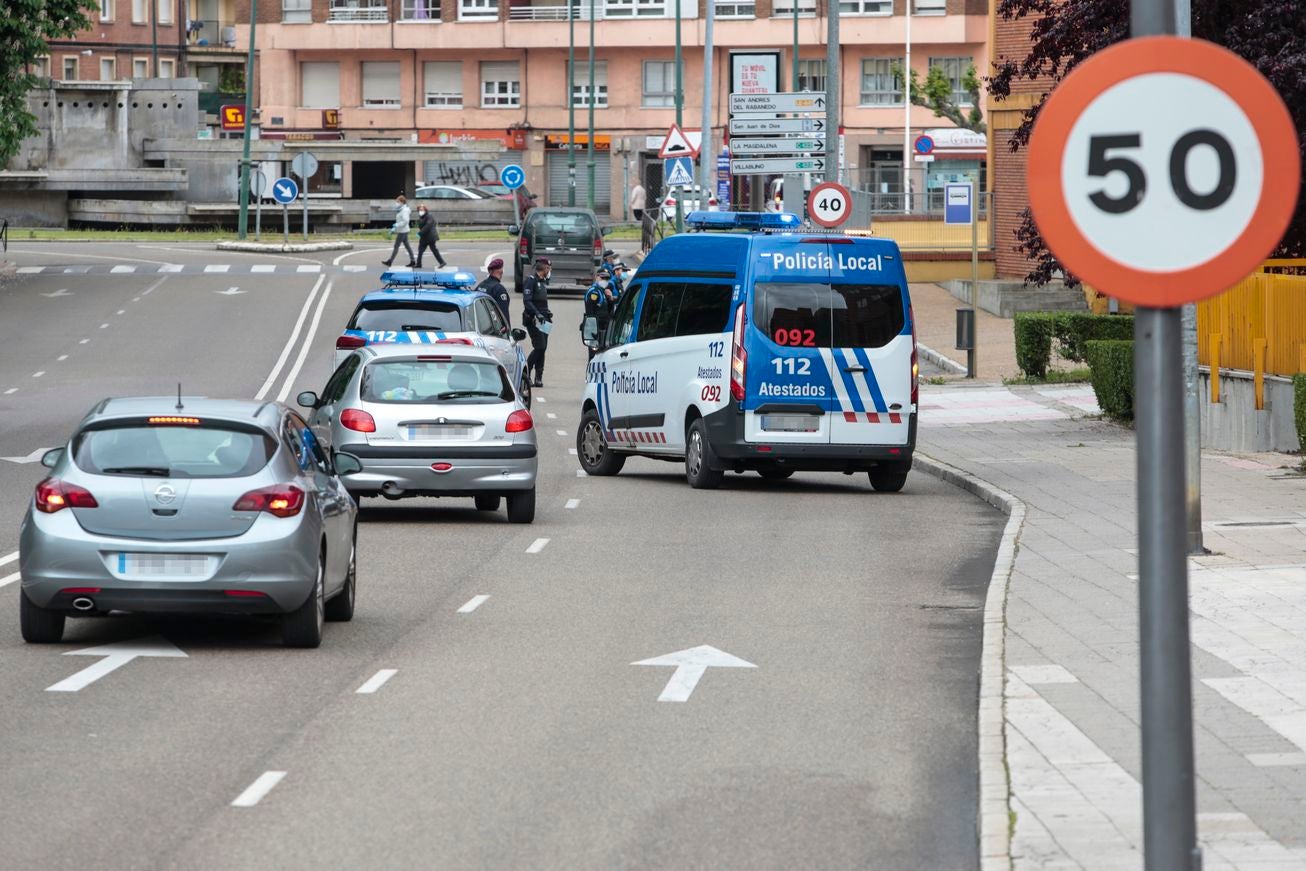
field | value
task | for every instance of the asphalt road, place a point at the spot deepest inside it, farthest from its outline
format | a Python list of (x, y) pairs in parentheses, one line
[(515, 731)]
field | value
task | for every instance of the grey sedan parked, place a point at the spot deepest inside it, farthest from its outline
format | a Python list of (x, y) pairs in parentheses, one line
[(168, 505), (430, 420)]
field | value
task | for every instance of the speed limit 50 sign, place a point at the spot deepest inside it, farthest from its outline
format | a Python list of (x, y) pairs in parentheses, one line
[(1163, 170)]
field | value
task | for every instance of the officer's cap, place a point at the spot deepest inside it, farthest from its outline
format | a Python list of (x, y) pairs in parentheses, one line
[(542, 261), (603, 273), (496, 263), (609, 253)]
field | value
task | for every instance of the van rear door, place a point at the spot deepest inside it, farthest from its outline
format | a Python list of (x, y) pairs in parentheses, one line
[(871, 353)]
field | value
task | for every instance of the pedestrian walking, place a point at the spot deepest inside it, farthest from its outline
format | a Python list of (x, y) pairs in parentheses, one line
[(638, 201), (428, 233), (401, 226), (537, 318), (600, 303), (493, 285)]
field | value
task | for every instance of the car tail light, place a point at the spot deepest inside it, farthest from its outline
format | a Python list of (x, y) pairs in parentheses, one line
[(442, 467), (915, 362), (523, 247), (519, 421), (738, 357), (358, 421), (349, 343), (245, 594), (53, 494), (598, 248), (173, 420), (669, 201), (279, 500)]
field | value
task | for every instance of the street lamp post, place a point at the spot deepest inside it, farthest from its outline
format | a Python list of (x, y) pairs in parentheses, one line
[(571, 102), (243, 225), (680, 109), (589, 146)]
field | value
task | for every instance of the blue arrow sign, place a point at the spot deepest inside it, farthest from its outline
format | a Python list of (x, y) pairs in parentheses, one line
[(512, 176), (284, 190)]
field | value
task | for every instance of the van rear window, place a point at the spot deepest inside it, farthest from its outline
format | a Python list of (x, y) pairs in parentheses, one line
[(812, 315)]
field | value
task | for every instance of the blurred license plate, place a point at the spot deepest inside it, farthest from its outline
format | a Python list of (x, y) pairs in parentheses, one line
[(155, 565), (432, 431), (790, 423)]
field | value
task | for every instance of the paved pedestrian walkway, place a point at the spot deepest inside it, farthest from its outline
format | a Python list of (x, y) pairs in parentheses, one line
[(936, 329), (1071, 691)]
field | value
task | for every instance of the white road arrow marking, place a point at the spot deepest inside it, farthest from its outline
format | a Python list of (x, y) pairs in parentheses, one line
[(33, 457), (115, 655), (63, 291), (690, 665), (230, 291)]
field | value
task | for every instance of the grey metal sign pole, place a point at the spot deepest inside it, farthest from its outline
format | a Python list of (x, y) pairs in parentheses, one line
[(1165, 667), (259, 183), (285, 223)]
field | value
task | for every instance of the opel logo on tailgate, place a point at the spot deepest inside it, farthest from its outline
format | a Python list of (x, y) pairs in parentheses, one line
[(165, 494)]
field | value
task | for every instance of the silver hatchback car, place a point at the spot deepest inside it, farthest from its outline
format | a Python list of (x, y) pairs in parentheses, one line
[(435, 420), (171, 505)]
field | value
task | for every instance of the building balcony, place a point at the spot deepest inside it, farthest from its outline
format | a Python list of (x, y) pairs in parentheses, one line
[(212, 35), (359, 11), (581, 10)]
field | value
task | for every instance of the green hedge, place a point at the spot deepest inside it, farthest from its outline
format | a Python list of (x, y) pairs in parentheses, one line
[(1038, 332), (1111, 364), (1299, 407)]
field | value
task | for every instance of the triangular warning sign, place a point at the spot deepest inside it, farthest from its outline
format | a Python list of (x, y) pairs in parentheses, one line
[(676, 145)]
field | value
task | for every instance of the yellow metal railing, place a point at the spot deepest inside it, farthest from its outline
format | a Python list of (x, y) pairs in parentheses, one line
[(1258, 325)]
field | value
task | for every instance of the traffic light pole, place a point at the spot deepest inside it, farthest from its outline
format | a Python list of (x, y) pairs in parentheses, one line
[(243, 225)]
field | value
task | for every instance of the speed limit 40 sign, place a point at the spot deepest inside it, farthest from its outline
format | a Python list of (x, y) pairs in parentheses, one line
[(1163, 170), (829, 204)]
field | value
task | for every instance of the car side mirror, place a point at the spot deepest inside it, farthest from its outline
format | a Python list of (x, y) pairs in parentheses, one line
[(514, 230), (51, 458), (347, 464), (308, 399), (518, 334), (603, 231)]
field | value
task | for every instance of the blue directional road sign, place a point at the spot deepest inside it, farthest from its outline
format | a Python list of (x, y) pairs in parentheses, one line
[(958, 203), (678, 171), (284, 190), (512, 176)]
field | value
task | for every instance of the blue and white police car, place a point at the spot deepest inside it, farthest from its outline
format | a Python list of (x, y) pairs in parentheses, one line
[(774, 349), (426, 308)]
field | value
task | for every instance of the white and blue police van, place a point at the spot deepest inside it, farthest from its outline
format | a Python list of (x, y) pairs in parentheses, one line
[(755, 344)]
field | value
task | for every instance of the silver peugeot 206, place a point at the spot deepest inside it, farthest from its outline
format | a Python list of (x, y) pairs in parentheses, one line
[(190, 505), (435, 420)]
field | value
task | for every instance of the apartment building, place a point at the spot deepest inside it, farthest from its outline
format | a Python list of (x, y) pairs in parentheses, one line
[(122, 42)]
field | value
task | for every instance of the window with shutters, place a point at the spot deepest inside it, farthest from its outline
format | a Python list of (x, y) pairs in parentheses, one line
[(380, 84), (167, 69), (931, 7), (880, 85), (319, 85), (165, 11), (108, 69), (40, 68), (70, 68), (866, 7), (580, 85), (811, 75), (443, 84), (500, 85), (736, 8), (140, 68), (955, 68), (106, 10), (297, 11), (781, 8), (478, 10), (659, 83)]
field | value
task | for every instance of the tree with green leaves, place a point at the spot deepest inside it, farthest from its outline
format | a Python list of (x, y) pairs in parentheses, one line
[(26, 28), (936, 94)]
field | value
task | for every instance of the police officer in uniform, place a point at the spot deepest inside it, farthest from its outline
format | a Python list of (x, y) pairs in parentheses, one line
[(600, 303), (612, 263), (536, 314), (493, 285)]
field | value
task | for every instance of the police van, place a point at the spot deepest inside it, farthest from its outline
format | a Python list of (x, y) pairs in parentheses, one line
[(775, 349)]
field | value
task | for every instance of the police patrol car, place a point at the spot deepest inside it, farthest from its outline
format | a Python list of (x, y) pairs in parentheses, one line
[(422, 308), (776, 350)]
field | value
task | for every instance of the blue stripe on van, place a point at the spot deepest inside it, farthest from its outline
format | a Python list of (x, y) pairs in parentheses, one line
[(849, 382), (871, 382)]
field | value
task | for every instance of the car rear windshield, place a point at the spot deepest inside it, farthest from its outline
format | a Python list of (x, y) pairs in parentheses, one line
[(426, 381), (207, 450), (568, 229), (829, 316), (407, 316)]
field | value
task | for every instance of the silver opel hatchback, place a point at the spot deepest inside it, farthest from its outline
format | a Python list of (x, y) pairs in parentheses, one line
[(433, 420), (190, 505)]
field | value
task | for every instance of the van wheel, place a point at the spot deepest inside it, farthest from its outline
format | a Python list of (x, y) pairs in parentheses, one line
[(487, 502), (40, 626), (700, 459), (521, 506), (775, 474), (889, 477), (592, 448)]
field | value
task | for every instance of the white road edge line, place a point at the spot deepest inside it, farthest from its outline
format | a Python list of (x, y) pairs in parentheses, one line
[(472, 604), (308, 343), (256, 791), (290, 342), (376, 681), (572, 503), (8, 558), (537, 545)]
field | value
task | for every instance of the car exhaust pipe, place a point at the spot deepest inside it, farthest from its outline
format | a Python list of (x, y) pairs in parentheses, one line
[(391, 490), (81, 603)]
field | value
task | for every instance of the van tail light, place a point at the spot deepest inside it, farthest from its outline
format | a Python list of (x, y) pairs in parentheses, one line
[(349, 343), (915, 362), (519, 421), (53, 494), (279, 500), (738, 357), (358, 421), (598, 248)]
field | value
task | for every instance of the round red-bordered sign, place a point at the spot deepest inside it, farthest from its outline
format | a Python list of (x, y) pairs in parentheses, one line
[(829, 204), (1163, 170)]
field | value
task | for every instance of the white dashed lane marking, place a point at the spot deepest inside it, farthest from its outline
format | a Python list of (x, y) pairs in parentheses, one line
[(572, 503), (83, 341), (472, 604), (104, 326), (551, 416), (9, 579), (38, 374), (537, 545), (11, 390), (376, 681), (572, 451), (256, 791), (562, 432), (61, 358)]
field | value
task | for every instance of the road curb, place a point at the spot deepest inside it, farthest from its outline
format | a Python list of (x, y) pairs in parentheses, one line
[(995, 785), (941, 360), (290, 248)]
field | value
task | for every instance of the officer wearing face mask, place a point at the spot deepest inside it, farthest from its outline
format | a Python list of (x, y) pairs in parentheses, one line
[(600, 303)]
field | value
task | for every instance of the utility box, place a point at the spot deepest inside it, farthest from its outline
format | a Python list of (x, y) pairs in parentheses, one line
[(965, 329)]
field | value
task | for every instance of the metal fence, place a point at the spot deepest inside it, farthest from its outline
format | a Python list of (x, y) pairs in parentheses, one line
[(916, 222), (1258, 325)]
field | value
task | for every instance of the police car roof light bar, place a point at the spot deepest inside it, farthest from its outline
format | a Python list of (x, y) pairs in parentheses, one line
[(756, 221), (452, 279)]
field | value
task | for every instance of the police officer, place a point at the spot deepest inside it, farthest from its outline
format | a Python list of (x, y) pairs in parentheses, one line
[(612, 263), (536, 316), (600, 303), (493, 285)]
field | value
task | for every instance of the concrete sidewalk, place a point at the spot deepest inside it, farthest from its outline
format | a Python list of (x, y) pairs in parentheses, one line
[(936, 329), (1071, 691)]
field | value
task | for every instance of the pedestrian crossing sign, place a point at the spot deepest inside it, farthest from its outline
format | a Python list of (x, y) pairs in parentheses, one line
[(678, 171)]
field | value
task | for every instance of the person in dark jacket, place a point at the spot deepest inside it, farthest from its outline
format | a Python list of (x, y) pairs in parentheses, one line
[(493, 285), (427, 235), (600, 303), (536, 317)]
